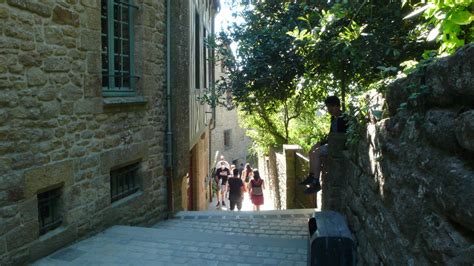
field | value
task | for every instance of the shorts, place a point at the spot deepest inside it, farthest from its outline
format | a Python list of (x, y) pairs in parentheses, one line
[(222, 185), (323, 150)]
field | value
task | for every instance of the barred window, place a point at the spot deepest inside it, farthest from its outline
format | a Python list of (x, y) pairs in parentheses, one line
[(49, 213), (118, 77), (124, 182)]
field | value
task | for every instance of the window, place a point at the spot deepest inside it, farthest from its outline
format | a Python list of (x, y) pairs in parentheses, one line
[(197, 52), (204, 53), (227, 139), (118, 77), (123, 182), (49, 215)]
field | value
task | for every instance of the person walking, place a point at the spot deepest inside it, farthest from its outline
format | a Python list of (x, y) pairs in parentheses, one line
[(256, 187), (236, 190), (221, 177), (247, 174)]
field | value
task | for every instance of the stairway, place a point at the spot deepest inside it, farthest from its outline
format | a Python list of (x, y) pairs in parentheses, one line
[(199, 238)]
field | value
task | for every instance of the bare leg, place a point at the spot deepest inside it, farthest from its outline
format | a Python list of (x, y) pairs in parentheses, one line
[(315, 162), (258, 207)]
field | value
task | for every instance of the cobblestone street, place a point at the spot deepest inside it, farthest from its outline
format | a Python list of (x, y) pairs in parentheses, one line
[(199, 238)]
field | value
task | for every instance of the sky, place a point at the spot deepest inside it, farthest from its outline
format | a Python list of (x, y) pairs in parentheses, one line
[(224, 18)]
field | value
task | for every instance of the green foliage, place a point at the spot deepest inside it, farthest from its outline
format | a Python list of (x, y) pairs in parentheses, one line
[(292, 54), (447, 22), (355, 44), (264, 77)]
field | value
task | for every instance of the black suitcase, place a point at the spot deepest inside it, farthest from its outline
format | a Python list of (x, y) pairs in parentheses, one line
[(330, 240)]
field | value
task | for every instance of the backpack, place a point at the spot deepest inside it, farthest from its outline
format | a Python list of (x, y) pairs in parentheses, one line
[(257, 190)]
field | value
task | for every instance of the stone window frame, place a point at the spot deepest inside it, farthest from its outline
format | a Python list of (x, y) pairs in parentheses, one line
[(110, 75), (51, 198), (129, 175)]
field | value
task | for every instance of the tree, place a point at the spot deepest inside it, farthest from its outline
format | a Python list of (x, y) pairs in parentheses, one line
[(352, 44), (264, 77)]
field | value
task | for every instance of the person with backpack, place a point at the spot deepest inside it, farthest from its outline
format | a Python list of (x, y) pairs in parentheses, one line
[(256, 187)]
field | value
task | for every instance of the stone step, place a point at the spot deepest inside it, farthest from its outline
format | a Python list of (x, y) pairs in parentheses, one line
[(287, 224), (152, 246)]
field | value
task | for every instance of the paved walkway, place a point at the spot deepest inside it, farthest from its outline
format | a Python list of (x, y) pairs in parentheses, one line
[(199, 238)]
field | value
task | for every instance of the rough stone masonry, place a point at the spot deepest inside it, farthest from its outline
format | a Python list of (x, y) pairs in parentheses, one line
[(58, 131), (407, 188)]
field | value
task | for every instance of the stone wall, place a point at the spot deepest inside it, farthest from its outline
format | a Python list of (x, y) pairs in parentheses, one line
[(229, 120), (407, 189), (190, 127), (285, 170), (56, 129)]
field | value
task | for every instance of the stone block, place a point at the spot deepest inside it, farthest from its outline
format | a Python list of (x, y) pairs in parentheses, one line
[(36, 77), (93, 20), (10, 221), (89, 3), (90, 40), (94, 65), (57, 64), (92, 86), (88, 106), (32, 6), (65, 16), (4, 13), (23, 234), (18, 32), (47, 176), (30, 59), (54, 35), (464, 128), (47, 94), (70, 92), (3, 246), (59, 238), (28, 209), (122, 156), (50, 109), (439, 129)]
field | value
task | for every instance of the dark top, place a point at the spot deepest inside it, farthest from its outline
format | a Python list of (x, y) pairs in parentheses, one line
[(235, 188), (223, 174), (338, 125)]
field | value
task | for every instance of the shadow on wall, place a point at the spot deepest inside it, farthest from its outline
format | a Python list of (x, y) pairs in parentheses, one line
[(407, 188)]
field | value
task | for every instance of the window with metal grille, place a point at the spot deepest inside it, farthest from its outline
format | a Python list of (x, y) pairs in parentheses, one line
[(49, 213), (118, 76), (124, 182), (227, 139)]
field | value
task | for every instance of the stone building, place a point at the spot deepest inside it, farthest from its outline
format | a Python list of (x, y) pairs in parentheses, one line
[(85, 114), (228, 138), (192, 22)]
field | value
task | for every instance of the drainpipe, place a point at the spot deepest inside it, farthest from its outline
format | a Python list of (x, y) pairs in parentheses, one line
[(213, 104), (169, 131)]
